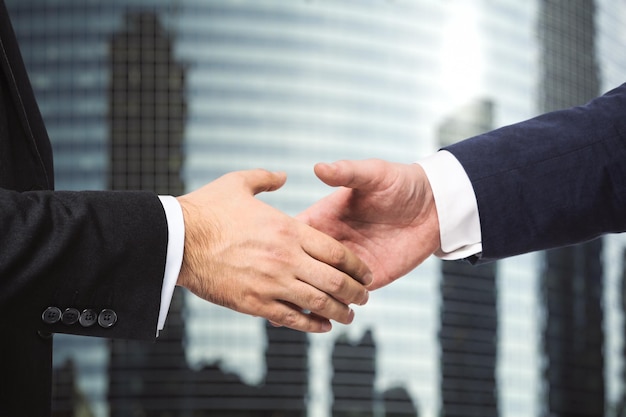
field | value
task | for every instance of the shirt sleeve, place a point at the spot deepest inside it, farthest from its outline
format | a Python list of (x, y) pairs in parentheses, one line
[(174, 259), (459, 221)]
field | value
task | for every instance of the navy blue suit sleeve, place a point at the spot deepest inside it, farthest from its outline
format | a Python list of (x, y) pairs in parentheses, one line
[(554, 180)]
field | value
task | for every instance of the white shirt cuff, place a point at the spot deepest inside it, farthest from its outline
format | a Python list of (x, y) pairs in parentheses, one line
[(459, 221), (174, 260)]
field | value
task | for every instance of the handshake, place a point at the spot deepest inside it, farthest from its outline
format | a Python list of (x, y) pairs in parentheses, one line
[(303, 272)]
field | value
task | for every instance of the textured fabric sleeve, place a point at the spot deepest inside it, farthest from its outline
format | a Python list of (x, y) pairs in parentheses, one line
[(95, 251), (554, 180)]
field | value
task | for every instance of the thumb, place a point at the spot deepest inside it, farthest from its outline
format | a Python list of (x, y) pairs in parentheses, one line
[(260, 180), (362, 175)]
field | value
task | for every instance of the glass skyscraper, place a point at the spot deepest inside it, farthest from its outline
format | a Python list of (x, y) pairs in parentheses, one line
[(283, 85)]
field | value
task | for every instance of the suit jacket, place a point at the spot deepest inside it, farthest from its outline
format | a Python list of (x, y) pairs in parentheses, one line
[(554, 180), (88, 263)]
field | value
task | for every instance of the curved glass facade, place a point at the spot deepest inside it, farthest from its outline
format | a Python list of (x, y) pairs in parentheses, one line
[(283, 85)]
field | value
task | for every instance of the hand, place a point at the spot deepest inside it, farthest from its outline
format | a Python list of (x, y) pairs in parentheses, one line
[(385, 214), (245, 255)]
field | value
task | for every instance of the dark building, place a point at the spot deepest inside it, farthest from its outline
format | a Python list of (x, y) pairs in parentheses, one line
[(286, 385), (354, 373), (67, 398), (212, 392), (354, 368), (63, 390), (397, 402), (162, 384), (469, 316), (147, 113), (468, 338), (573, 340), (572, 277), (569, 70), (147, 109)]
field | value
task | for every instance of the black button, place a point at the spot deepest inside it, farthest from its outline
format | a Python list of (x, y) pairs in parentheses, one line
[(51, 315), (70, 316), (88, 318), (107, 318)]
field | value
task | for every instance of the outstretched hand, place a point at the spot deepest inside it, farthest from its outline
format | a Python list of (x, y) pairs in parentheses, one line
[(245, 255), (384, 212)]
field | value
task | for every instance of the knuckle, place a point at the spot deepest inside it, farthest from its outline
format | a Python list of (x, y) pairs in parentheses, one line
[(320, 303), (289, 319), (337, 284), (337, 255)]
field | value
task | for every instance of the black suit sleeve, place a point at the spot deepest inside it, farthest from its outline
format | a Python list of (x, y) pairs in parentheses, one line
[(554, 180), (86, 251)]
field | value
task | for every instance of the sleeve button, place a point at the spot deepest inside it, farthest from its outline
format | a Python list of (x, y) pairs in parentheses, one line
[(51, 315), (107, 318), (88, 318), (70, 316)]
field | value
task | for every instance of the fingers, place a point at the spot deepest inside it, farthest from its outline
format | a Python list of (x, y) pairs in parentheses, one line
[(351, 174), (316, 315), (300, 306), (285, 315), (334, 269), (327, 278)]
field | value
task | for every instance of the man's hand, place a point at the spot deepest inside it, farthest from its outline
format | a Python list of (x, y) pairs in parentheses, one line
[(245, 255), (385, 213)]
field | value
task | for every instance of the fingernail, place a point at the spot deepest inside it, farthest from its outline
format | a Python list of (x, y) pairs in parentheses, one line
[(326, 326), (351, 315), (366, 297)]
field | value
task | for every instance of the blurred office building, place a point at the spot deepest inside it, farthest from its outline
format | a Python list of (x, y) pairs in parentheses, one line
[(572, 278), (469, 316), (167, 95)]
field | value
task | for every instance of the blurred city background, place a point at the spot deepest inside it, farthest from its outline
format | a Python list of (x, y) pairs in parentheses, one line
[(167, 95)]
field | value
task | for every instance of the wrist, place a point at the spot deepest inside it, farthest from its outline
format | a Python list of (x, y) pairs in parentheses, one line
[(428, 212), (187, 277)]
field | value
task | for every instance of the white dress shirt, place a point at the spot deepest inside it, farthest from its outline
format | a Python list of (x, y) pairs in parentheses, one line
[(459, 222), (174, 259)]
